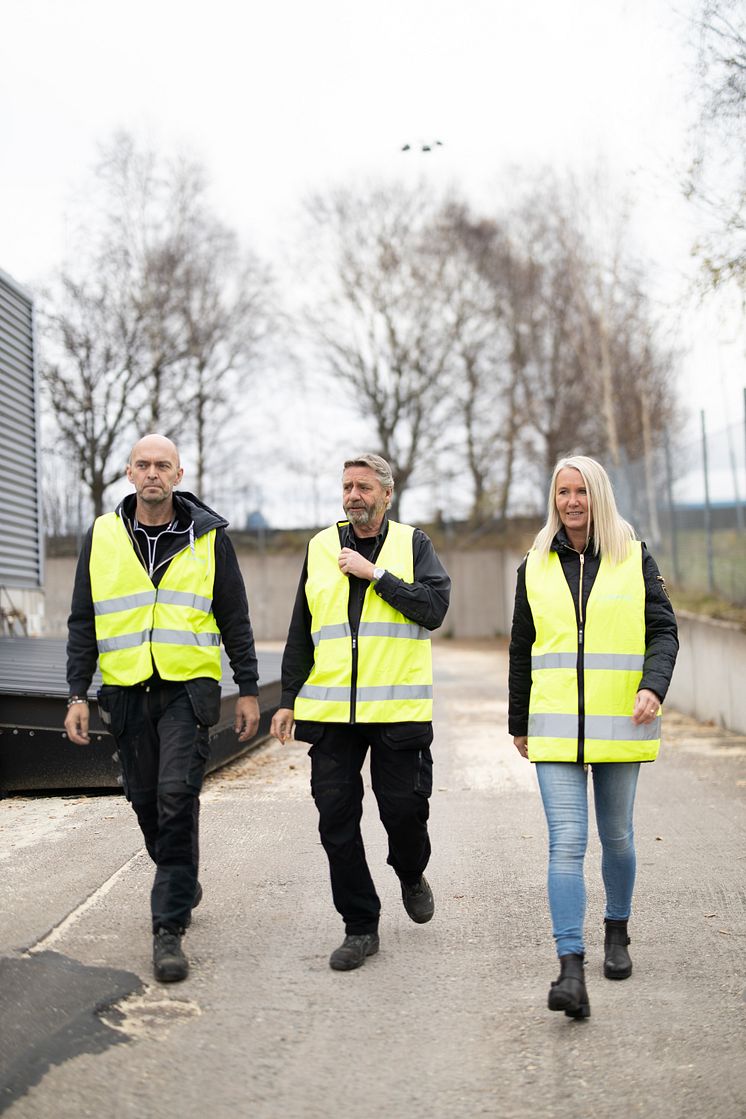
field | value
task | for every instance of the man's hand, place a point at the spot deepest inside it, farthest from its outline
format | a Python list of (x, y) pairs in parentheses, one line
[(282, 724), (246, 718), (76, 724), (352, 563)]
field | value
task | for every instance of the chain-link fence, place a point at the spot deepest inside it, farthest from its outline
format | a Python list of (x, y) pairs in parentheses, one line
[(688, 502)]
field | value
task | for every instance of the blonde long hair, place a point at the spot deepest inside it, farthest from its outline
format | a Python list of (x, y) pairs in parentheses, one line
[(611, 533)]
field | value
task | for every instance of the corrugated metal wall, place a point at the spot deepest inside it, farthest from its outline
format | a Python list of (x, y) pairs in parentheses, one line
[(20, 484)]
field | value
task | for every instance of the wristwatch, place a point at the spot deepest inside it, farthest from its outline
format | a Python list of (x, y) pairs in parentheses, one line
[(378, 573)]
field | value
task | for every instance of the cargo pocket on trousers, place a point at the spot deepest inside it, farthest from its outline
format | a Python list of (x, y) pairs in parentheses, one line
[(204, 696), (423, 782), (415, 738), (113, 704), (199, 759)]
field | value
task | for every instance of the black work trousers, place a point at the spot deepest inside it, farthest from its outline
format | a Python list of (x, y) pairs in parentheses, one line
[(163, 751), (401, 768)]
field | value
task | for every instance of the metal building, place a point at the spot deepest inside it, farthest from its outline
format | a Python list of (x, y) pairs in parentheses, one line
[(21, 533)]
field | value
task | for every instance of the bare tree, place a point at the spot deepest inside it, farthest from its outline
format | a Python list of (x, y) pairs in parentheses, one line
[(161, 310), (646, 404), (93, 379), (492, 352), (557, 398), (386, 326), (587, 330), (226, 303), (716, 182)]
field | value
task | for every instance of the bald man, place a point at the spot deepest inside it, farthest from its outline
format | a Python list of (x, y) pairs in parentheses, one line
[(157, 588)]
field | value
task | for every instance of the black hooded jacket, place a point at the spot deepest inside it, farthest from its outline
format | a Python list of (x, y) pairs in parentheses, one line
[(229, 604), (661, 634)]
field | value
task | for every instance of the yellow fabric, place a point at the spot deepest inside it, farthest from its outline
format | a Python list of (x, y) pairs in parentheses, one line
[(393, 655), (607, 675), (137, 624)]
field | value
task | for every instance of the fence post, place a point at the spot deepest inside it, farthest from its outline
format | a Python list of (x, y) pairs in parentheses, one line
[(671, 512), (708, 512), (738, 502)]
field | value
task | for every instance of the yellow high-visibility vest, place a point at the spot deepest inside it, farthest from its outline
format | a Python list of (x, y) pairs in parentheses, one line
[(392, 655), (138, 624), (582, 698)]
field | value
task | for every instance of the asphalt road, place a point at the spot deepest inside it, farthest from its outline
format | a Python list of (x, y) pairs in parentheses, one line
[(449, 1019)]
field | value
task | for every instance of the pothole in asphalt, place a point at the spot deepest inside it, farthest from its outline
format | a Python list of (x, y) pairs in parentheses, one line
[(148, 1015)]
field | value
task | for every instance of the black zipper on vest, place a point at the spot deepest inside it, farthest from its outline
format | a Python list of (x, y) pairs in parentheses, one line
[(353, 670), (353, 680), (581, 673), (354, 636)]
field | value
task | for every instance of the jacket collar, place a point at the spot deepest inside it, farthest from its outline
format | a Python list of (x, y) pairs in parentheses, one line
[(189, 512), (350, 540), (562, 544)]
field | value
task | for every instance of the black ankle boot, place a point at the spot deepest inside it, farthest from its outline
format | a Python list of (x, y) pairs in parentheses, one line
[(568, 993), (617, 964)]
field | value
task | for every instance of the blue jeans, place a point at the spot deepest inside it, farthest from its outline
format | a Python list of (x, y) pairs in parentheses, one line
[(563, 788)]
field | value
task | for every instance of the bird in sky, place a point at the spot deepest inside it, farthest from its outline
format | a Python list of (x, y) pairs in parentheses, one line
[(424, 146)]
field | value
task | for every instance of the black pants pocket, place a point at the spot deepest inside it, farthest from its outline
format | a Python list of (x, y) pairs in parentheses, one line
[(423, 782), (115, 707), (204, 696)]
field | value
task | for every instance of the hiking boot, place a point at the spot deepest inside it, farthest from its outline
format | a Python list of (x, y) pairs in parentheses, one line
[(418, 900), (352, 952), (169, 962)]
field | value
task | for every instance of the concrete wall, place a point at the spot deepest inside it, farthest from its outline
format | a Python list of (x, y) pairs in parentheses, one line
[(709, 681), (710, 676), (482, 592), (481, 601), (59, 576)]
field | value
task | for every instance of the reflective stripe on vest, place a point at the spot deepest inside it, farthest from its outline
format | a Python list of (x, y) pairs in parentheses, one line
[(606, 675), (138, 625), (394, 663)]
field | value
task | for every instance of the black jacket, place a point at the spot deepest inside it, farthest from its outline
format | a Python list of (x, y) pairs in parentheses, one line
[(424, 601), (661, 635), (229, 603)]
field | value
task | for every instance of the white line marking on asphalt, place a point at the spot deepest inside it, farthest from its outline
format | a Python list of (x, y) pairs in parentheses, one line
[(50, 938)]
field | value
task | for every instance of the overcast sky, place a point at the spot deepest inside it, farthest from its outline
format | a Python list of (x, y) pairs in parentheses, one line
[(278, 97)]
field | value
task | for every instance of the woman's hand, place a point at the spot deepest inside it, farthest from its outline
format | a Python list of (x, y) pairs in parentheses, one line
[(520, 741), (647, 706)]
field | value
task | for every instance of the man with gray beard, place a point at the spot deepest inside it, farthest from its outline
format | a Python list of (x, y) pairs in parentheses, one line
[(357, 675)]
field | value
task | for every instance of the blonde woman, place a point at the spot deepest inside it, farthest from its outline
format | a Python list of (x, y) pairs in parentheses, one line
[(592, 651)]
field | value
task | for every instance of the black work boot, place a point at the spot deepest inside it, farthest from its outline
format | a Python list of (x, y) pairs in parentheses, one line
[(568, 993), (169, 962), (418, 900), (617, 964), (352, 952)]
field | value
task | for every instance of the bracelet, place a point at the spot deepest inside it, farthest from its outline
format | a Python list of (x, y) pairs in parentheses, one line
[(76, 699)]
